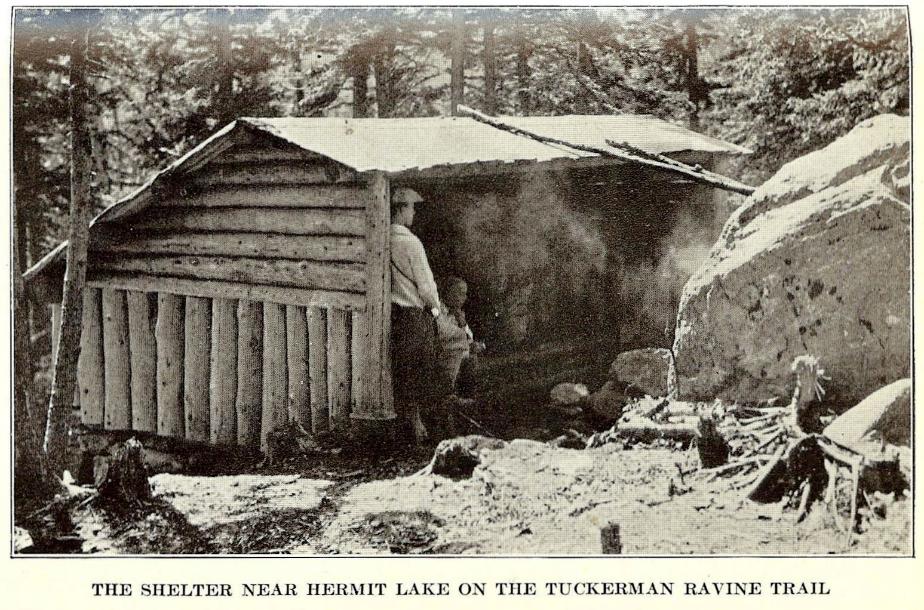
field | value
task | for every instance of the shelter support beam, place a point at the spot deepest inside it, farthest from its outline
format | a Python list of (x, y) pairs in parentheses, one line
[(376, 402)]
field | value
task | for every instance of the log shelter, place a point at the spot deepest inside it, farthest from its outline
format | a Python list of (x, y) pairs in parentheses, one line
[(247, 285)]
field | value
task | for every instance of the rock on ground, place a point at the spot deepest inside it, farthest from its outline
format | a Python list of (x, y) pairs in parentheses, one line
[(646, 369), (22, 540), (566, 393), (609, 401), (457, 458), (806, 269), (633, 374)]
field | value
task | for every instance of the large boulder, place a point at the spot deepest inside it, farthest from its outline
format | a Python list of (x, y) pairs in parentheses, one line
[(804, 268)]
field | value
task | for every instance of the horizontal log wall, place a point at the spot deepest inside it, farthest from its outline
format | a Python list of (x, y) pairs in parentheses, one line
[(254, 223), (256, 245)]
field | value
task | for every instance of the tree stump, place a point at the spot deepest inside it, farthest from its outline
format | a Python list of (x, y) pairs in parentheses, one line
[(610, 539), (124, 479), (712, 447)]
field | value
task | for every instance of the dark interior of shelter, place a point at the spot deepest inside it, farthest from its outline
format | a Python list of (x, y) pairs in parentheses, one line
[(566, 268)]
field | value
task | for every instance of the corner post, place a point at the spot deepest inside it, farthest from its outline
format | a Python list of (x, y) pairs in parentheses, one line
[(377, 402)]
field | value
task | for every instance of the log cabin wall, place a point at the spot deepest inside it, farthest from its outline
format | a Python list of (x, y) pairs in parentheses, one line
[(237, 303)]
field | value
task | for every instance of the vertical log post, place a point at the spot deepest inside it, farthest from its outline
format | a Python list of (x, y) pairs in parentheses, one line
[(377, 403), (338, 368), (223, 373), (196, 357), (317, 368), (141, 321), (249, 372), (299, 403), (91, 379), (169, 334), (359, 339), (117, 361), (275, 376)]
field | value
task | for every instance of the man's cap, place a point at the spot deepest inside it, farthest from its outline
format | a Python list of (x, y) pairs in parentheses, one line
[(405, 195)]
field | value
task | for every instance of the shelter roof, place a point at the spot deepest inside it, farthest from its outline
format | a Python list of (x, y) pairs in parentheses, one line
[(395, 145), (404, 144)]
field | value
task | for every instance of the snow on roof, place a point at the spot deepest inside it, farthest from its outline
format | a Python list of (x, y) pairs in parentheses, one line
[(395, 145)]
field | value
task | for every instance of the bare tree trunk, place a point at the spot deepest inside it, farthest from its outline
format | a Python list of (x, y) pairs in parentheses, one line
[(65, 360), (31, 480), (360, 88), (694, 88), (490, 71), (224, 98), (299, 82), (457, 58), (523, 72), (381, 68)]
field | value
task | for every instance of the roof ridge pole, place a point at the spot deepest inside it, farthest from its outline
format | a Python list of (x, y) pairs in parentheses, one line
[(696, 174)]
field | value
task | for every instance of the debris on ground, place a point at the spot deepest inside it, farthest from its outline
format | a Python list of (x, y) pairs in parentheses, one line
[(401, 532), (779, 458), (653, 420)]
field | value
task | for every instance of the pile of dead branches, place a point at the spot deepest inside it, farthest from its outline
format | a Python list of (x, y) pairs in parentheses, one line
[(778, 454)]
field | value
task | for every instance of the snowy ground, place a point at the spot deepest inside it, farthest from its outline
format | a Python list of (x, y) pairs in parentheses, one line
[(526, 498)]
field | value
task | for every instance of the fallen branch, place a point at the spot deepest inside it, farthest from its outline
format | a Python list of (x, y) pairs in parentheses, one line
[(476, 424), (676, 167), (765, 473), (838, 454), (757, 459), (645, 431)]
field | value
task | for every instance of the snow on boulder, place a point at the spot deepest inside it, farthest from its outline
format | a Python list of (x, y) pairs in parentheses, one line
[(880, 143), (884, 415), (825, 274)]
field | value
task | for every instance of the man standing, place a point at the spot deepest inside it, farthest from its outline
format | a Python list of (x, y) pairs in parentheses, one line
[(415, 307)]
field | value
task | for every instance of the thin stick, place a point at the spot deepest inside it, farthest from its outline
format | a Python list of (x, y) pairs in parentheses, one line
[(840, 454), (754, 420), (731, 465), (854, 492), (687, 171), (803, 502), (765, 443), (474, 423)]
